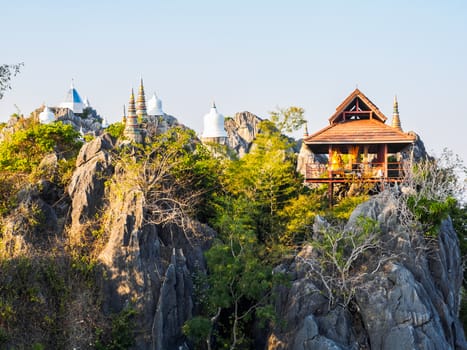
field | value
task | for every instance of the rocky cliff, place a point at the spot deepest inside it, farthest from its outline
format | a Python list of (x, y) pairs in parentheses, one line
[(147, 267), (242, 130), (406, 295), (400, 292)]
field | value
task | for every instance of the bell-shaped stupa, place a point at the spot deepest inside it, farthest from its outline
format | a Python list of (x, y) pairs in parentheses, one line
[(214, 130), (46, 116)]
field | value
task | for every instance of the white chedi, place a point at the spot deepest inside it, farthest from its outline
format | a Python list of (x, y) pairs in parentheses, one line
[(105, 123), (214, 124), (154, 106), (46, 116)]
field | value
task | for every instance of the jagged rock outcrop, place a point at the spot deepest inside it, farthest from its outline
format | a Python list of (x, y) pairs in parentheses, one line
[(157, 125), (410, 302), (306, 156), (242, 130), (34, 223), (417, 152), (87, 185), (147, 267), (150, 268), (89, 122)]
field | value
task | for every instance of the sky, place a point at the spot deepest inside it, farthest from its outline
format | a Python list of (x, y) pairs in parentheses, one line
[(249, 55)]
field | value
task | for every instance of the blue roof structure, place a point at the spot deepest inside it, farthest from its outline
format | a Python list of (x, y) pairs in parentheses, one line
[(73, 100)]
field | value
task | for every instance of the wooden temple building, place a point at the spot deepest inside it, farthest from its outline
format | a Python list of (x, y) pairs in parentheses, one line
[(359, 145)]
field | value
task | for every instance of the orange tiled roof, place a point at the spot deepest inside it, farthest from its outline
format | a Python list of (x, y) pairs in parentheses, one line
[(360, 131)]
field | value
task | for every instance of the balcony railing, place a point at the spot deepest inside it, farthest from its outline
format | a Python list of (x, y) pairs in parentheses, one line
[(365, 171)]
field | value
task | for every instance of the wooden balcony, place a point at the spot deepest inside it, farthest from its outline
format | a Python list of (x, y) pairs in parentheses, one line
[(356, 172)]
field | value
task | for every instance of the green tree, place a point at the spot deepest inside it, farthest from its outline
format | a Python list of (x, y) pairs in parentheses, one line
[(266, 176), (298, 215), (24, 149), (288, 119), (7, 72), (116, 129), (239, 281), (176, 176)]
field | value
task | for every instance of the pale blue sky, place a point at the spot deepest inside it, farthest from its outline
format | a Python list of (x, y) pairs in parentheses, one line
[(246, 55)]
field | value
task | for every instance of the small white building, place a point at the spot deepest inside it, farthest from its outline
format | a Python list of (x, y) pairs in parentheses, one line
[(73, 101), (105, 123), (214, 130), (154, 106), (46, 116)]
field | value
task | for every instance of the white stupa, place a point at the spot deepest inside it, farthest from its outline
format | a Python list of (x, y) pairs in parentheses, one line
[(73, 101), (105, 123), (214, 126), (154, 106), (46, 116)]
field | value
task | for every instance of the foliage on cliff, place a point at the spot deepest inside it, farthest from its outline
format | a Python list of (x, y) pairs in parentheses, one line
[(257, 205), (24, 149)]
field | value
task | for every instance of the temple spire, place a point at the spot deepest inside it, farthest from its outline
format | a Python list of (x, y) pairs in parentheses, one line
[(396, 122), (141, 110), (131, 128)]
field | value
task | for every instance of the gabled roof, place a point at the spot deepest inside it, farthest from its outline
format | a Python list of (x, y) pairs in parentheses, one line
[(361, 131), (355, 102)]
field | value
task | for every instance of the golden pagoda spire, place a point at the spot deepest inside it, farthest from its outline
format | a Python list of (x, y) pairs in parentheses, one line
[(141, 111), (124, 115), (131, 128), (396, 122)]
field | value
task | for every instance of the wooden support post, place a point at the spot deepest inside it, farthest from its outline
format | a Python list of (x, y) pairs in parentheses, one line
[(330, 192), (385, 157)]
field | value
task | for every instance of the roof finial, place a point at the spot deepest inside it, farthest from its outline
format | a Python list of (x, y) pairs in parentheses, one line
[(213, 104), (396, 122), (124, 115), (141, 110), (305, 132)]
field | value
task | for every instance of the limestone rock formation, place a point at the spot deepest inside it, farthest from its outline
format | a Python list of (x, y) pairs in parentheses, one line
[(410, 301), (87, 185), (242, 130), (89, 122), (306, 156), (147, 267), (150, 267)]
